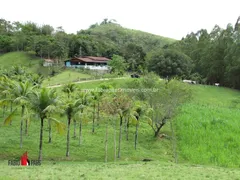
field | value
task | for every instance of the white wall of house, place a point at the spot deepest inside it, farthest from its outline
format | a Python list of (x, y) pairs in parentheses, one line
[(92, 67), (47, 64)]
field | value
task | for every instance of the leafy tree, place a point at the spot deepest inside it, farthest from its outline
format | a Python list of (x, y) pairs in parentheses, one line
[(135, 56), (117, 64), (166, 102), (169, 63)]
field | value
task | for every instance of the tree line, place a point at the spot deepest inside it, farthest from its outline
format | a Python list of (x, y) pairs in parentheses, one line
[(206, 57), (214, 56)]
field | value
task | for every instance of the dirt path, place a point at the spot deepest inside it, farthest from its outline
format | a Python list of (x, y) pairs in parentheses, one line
[(104, 79)]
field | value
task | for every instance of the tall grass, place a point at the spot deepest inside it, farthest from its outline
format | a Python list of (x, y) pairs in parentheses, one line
[(208, 128)]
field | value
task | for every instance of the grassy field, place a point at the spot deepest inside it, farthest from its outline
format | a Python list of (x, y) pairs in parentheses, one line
[(122, 170), (208, 128), (65, 77), (20, 58), (92, 148), (31, 63)]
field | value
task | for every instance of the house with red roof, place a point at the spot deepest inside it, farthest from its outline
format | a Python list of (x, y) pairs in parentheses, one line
[(88, 62)]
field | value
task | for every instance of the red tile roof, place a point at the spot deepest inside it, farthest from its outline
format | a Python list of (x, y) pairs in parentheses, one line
[(90, 59)]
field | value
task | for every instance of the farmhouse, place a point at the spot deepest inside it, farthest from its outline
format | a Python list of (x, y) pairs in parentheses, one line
[(90, 62), (48, 62)]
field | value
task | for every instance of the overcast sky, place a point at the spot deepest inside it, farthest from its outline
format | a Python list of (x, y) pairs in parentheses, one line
[(170, 18)]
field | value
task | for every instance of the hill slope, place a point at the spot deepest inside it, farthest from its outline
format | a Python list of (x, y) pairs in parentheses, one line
[(22, 59), (119, 36), (208, 127), (19, 58), (27, 60)]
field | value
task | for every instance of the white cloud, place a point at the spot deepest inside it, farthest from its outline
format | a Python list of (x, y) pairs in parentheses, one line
[(170, 18)]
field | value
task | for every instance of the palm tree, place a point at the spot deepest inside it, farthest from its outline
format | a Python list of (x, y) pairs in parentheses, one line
[(122, 104), (69, 89), (84, 99), (44, 103), (19, 95), (4, 88), (72, 108), (95, 100), (36, 80)]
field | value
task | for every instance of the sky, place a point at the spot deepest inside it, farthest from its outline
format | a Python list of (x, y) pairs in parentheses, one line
[(169, 18)]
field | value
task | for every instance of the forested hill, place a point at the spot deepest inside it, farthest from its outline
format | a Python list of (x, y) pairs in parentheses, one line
[(104, 39), (116, 34)]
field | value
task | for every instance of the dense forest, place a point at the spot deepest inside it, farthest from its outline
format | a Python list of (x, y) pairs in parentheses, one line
[(207, 57)]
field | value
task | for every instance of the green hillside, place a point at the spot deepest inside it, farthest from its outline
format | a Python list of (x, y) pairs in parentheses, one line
[(208, 127), (120, 36), (29, 61), (21, 59)]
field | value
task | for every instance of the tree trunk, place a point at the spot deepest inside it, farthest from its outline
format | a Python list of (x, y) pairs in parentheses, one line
[(26, 126), (21, 127), (74, 130), (49, 131), (98, 113), (93, 123), (136, 136), (21, 136), (68, 136), (158, 130), (11, 111), (115, 140), (40, 142), (125, 122), (120, 138), (106, 142), (127, 128), (80, 132), (173, 142), (3, 111)]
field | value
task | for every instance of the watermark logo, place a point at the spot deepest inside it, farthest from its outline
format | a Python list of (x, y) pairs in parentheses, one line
[(24, 161)]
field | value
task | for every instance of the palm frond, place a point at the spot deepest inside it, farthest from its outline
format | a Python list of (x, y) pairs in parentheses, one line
[(9, 118), (59, 125)]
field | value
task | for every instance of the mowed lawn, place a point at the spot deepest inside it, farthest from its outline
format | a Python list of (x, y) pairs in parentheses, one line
[(154, 170)]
